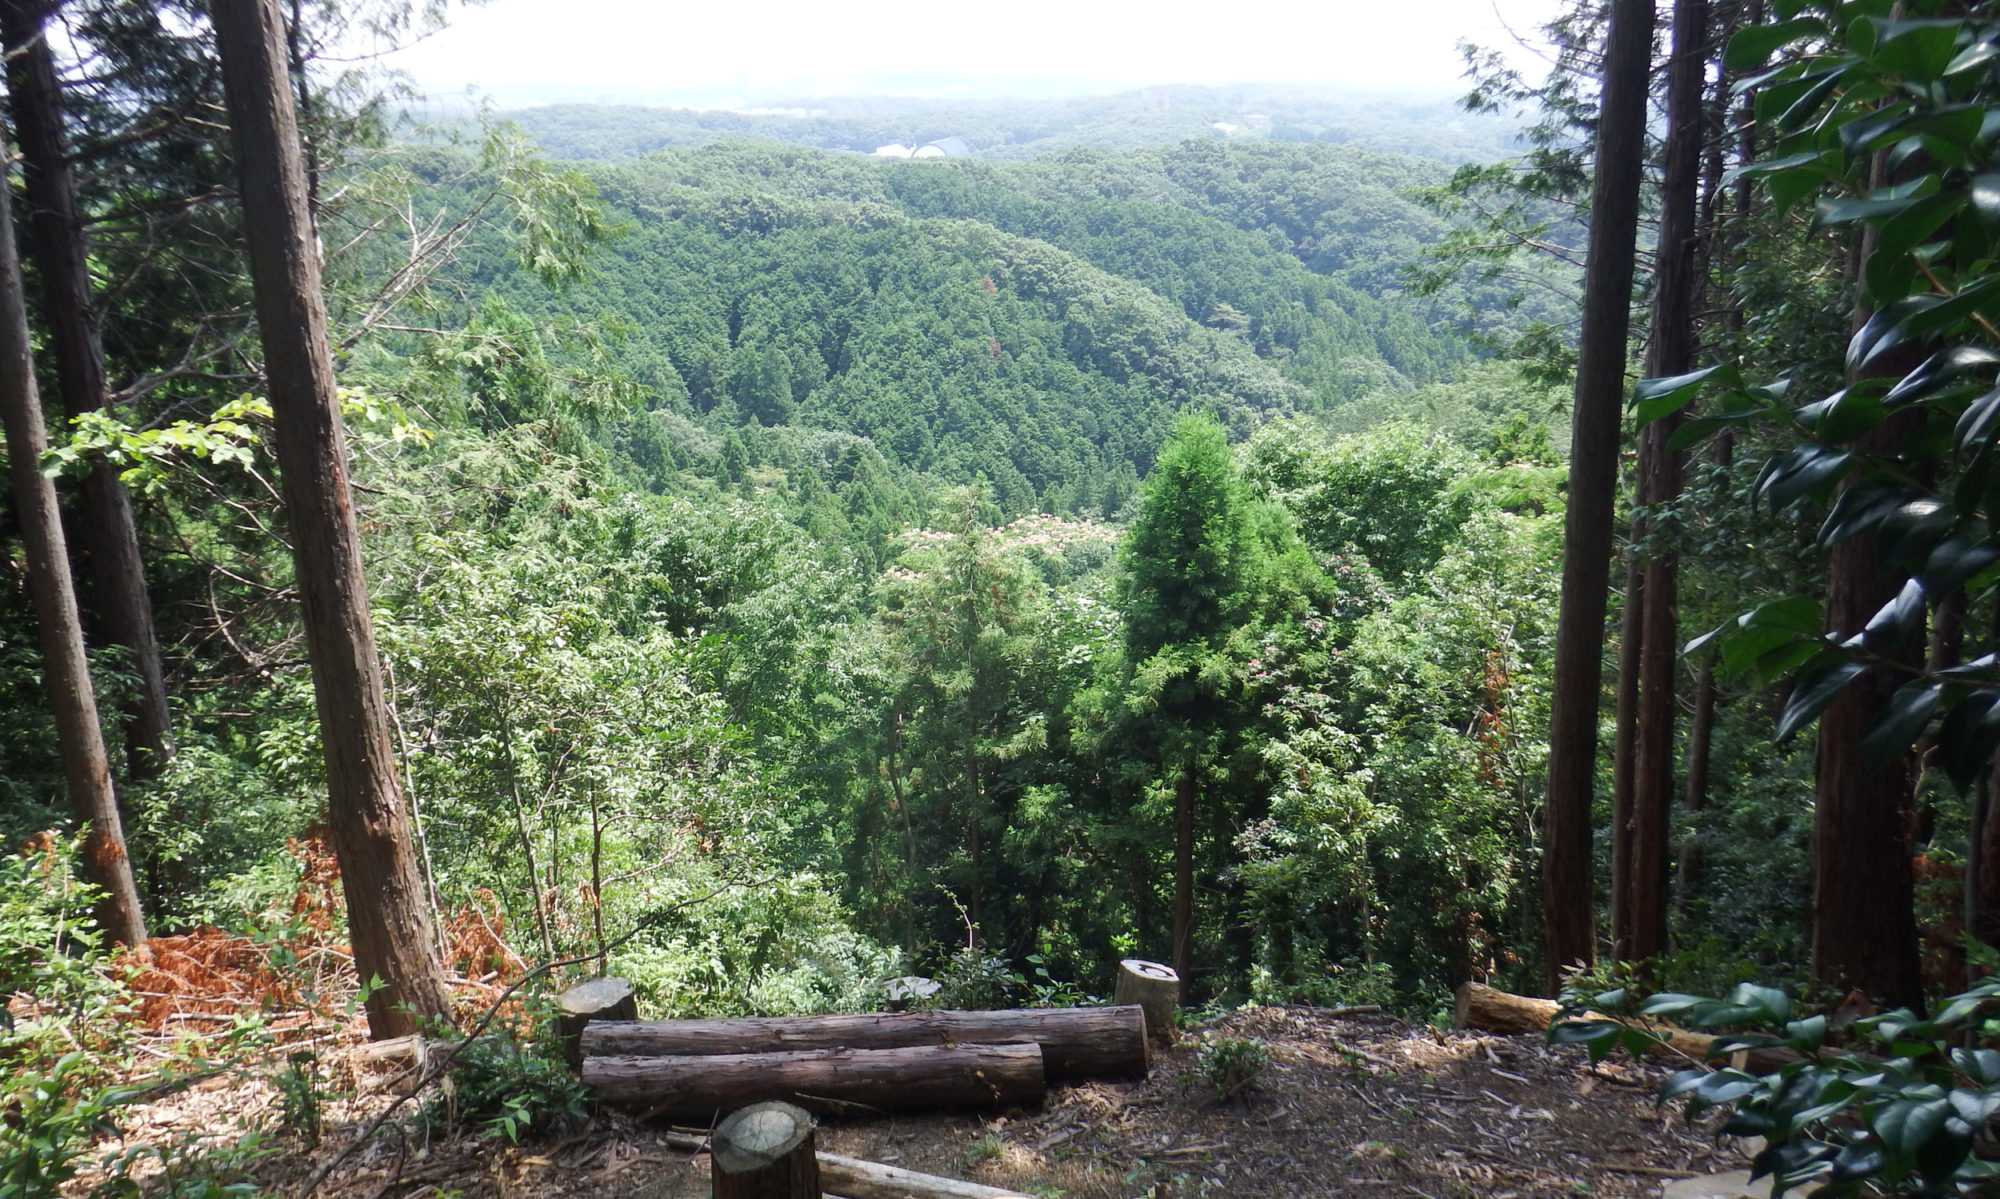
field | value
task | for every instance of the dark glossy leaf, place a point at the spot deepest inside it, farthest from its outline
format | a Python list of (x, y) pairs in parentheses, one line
[(1907, 714), (1899, 622), (1752, 47), (1724, 1086), (1978, 424), (1857, 1161), (1655, 398), (1773, 1005), (1958, 558), (1967, 736), (1904, 1125), (1818, 685), (1807, 1035), (1941, 369), (1859, 510), (1800, 472)]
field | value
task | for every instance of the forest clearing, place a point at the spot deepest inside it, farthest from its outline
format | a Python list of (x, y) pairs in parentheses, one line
[(1169, 639)]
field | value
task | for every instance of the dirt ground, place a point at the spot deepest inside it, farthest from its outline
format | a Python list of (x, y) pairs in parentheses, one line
[(1353, 1103)]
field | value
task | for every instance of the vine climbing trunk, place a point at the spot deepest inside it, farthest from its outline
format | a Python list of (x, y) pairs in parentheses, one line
[(106, 532), (79, 738), (388, 919), (1569, 910)]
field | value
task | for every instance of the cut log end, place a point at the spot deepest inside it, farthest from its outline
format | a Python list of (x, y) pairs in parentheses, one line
[(598, 999), (1154, 987), (765, 1151)]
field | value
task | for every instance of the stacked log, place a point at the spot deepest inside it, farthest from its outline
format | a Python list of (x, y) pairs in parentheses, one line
[(1076, 1043), (840, 1081)]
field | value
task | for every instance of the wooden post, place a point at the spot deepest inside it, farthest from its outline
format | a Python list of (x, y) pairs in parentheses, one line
[(765, 1151), (1154, 987), (598, 999)]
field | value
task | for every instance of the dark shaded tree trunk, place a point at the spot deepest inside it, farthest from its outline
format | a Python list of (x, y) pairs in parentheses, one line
[(106, 534), (1640, 929), (1184, 792), (1569, 909), (388, 918), (1864, 929), (80, 739)]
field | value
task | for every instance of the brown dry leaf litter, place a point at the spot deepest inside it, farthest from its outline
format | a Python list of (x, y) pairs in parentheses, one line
[(1353, 1103)]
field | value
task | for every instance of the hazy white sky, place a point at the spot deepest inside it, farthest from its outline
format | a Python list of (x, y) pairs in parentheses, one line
[(524, 51)]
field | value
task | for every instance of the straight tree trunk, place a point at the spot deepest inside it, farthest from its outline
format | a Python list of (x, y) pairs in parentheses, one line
[(1568, 905), (388, 919), (80, 739), (1642, 934), (1183, 867), (1864, 929), (106, 533)]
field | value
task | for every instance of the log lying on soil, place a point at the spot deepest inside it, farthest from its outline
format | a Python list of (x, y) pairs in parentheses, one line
[(1083, 1042), (835, 1080), (852, 1178), (1490, 1010)]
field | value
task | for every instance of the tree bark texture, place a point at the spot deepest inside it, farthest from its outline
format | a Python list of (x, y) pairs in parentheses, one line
[(1088, 1042), (1568, 905), (106, 534), (600, 999), (79, 737), (841, 1081), (1184, 793), (388, 919), (1864, 929), (765, 1151), (1640, 929)]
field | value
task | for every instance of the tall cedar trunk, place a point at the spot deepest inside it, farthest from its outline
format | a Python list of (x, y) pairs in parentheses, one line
[(107, 536), (1670, 351), (388, 919), (86, 766), (1183, 867), (1701, 724), (1569, 909), (1864, 929), (1625, 740)]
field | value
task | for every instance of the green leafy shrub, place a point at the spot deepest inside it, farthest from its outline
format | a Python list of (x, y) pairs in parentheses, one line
[(1895, 1112), (1231, 1065), (507, 1088)]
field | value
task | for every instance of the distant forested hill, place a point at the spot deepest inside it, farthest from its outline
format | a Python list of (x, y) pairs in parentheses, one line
[(1034, 325), (1422, 125)]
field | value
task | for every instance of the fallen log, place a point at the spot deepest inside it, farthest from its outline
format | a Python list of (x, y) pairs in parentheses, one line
[(1082, 1042), (835, 1080), (1491, 1010), (853, 1178), (764, 1151)]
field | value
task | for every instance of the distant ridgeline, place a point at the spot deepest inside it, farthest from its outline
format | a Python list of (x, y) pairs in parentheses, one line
[(1037, 325), (1424, 125)]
